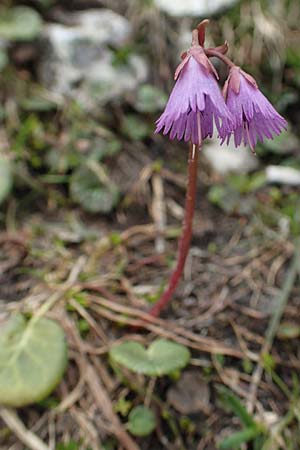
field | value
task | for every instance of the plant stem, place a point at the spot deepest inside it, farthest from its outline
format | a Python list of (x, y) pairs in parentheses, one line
[(185, 240), (210, 52), (11, 419)]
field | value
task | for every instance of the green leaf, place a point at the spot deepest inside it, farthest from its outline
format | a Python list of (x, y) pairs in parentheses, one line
[(293, 57), (236, 439), (123, 406), (6, 178), (38, 104), (232, 402), (92, 191), (135, 128), (244, 184), (33, 357), (216, 194), (70, 445), (288, 330), (19, 24), (150, 99), (103, 148), (162, 357), (268, 361), (230, 199), (141, 421), (121, 55)]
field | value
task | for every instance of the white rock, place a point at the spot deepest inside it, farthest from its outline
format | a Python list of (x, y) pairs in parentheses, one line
[(283, 175), (229, 160), (78, 62), (269, 418), (199, 8), (102, 26)]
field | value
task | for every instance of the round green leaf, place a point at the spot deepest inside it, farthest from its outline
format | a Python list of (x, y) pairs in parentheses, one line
[(150, 99), (162, 357), (19, 24), (90, 193), (141, 421), (135, 128), (6, 178), (33, 357)]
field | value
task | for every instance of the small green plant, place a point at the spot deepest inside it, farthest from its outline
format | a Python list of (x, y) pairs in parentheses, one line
[(161, 358), (150, 99), (70, 445), (252, 430), (135, 128), (123, 406), (141, 421), (92, 188), (33, 358)]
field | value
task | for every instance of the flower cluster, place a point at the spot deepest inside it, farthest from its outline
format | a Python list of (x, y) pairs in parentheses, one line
[(196, 102)]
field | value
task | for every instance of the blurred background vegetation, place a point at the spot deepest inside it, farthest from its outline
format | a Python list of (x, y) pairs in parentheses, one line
[(77, 91)]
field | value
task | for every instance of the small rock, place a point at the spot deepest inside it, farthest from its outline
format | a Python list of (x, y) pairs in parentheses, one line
[(190, 395), (269, 418), (101, 26), (198, 8), (226, 160), (283, 175), (78, 60)]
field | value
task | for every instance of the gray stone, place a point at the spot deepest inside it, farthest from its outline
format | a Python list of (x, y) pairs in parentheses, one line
[(198, 8), (190, 395), (78, 60), (226, 160)]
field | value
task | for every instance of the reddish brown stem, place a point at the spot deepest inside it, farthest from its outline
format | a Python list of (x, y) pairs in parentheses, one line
[(210, 52), (185, 240)]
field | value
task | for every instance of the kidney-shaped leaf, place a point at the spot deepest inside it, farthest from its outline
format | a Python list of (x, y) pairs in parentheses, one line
[(162, 357), (150, 99), (19, 24), (141, 421), (92, 195), (33, 357)]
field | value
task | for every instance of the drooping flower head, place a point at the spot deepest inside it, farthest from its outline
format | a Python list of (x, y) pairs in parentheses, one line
[(254, 116), (196, 102)]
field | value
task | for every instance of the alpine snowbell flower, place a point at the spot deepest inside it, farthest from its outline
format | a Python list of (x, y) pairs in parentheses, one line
[(254, 116), (194, 106), (196, 101)]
